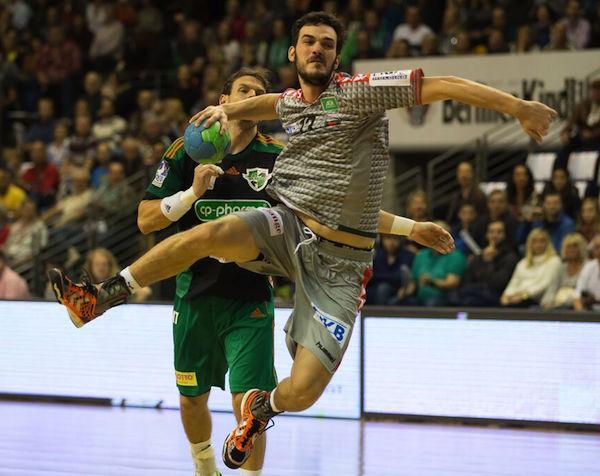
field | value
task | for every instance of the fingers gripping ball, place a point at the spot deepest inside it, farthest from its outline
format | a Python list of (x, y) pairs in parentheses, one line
[(206, 145)]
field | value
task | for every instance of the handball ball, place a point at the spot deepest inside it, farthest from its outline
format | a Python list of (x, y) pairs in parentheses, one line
[(206, 145)]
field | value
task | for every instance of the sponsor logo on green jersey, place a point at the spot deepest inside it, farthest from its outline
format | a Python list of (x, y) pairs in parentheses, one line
[(211, 209)]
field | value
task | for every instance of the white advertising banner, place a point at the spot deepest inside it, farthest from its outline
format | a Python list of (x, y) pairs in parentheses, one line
[(127, 357), (557, 79)]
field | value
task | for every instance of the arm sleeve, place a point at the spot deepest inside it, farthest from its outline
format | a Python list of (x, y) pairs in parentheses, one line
[(378, 92)]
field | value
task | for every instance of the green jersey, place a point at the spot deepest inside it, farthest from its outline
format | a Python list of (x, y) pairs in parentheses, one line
[(243, 186)]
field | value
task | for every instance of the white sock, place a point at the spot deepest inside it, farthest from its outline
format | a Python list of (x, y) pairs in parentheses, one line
[(203, 455), (248, 472), (132, 284), (272, 401)]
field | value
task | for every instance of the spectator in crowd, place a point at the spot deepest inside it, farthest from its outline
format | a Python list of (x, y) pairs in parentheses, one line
[(174, 118), (555, 221), (417, 206), (463, 230), (413, 29), (12, 286), (524, 201), (559, 40), (189, 47), (391, 272), (525, 41), (561, 183), (109, 127), (429, 46), (58, 150), (534, 274), (463, 44), (186, 88), (542, 26), (577, 28), (588, 223), (561, 292), (132, 155), (43, 128), (497, 210), (12, 196), (57, 63), (488, 273), (41, 178), (230, 47), (378, 34), (107, 45), (496, 43), (147, 105), (469, 192), (587, 292), (92, 84), (451, 27), (583, 128), (436, 275), (114, 194), (101, 163), (81, 144), (28, 234), (399, 49), (73, 208), (280, 42)]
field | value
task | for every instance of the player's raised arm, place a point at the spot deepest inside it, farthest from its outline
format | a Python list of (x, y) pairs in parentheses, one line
[(259, 108), (535, 117)]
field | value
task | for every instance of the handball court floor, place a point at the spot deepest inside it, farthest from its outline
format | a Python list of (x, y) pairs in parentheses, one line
[(61, 439)]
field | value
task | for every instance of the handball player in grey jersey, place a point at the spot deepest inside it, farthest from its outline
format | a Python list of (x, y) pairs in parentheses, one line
[(329, 181)]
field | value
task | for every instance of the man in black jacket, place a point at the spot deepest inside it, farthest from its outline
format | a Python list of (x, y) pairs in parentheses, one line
[(489, 273)]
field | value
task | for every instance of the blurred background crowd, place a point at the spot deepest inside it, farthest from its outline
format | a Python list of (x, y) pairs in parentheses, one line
[(93, 92)]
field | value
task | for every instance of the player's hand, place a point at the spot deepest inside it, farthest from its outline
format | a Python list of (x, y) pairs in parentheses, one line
[(209, 116), (204, 178), (433, 236), (535, 119)]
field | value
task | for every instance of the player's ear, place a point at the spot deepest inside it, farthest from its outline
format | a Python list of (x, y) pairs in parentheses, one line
[(292, 54), (224, 98), (336, 63)]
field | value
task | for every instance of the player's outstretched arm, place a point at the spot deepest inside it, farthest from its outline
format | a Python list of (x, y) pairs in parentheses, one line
[(425, 233), (535, 117), (258, 108)]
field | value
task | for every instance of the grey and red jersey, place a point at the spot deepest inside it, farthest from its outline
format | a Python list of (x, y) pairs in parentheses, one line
[(335, 162)]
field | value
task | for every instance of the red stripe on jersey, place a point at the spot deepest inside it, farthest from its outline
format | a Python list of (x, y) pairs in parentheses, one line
[(341, 78), (368, 274)]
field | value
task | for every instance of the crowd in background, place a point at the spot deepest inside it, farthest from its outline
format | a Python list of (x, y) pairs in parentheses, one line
[(93, 92)]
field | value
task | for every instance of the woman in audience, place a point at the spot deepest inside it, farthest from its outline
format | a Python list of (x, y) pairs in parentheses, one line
[(561, 293), (588, 223), (561, 183), (534, 274), (524, 201), (101, 264)]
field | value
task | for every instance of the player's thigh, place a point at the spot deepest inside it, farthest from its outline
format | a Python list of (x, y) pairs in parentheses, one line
[(198, 353), (232, 239), (248, 341)]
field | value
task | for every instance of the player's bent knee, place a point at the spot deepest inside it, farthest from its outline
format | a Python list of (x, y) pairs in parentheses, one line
[(306, 393), (193, 404)]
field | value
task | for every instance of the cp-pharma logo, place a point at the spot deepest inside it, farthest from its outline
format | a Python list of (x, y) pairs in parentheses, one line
[(329, 104), (208, 210)]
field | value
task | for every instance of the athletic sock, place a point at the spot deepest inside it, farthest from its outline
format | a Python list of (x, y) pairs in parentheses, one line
[(132, 284), (203, 455), (249, 472), (272, 402)]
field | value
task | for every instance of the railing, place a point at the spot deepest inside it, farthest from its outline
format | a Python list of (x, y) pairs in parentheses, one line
[(404, 184), (118, 233)]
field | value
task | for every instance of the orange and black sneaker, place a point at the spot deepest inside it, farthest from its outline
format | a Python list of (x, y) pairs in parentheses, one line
[(256, 414), (85, 301)]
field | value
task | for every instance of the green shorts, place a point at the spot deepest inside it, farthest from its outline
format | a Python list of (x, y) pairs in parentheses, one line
[(212, 335)]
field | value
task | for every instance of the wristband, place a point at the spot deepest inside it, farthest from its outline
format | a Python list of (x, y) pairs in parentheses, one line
[(178, 204), (402, 226)]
